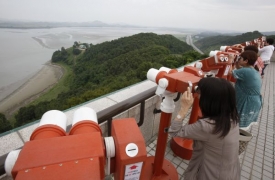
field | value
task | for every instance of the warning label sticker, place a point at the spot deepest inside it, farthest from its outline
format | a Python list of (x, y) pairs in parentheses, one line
[(132, 171)]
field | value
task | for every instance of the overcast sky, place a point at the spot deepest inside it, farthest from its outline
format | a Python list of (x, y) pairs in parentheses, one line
[(238, 15)]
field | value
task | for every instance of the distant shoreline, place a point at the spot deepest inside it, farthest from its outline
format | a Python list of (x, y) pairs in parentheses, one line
[(27, 27), (38, 84)]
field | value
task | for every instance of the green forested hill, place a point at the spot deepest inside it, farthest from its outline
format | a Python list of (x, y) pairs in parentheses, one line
[(110, 66), (215, 42), (129, 56)]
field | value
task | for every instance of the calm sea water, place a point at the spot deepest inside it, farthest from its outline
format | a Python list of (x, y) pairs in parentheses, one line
[(23, 52)]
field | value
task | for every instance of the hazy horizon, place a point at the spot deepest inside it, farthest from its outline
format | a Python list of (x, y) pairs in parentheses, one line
[(227, 15)]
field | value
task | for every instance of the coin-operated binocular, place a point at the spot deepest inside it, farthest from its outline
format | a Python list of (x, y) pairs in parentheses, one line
[(170, 82), (218, 64), (82, 153), (258, 42), (236, 49)]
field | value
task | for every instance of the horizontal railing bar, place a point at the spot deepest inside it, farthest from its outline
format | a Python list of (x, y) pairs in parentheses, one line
[(118, 108)]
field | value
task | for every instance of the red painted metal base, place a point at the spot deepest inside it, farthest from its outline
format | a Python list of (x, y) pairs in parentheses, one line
[(182, 147), (169, 172)]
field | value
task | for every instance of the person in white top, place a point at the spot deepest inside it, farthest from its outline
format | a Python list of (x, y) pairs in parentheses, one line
[(266, 53)]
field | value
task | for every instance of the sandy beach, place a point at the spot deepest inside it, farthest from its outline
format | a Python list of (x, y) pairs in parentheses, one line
[(38, 84)]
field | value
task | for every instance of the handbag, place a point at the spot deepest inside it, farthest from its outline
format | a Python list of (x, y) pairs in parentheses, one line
[(244, 138)]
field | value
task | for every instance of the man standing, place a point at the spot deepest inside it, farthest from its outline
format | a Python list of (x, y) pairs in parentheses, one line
[(266, 53)]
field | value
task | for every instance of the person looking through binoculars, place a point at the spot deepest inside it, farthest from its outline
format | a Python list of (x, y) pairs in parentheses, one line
[(248, 89), (266, 53), (216, 135)]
